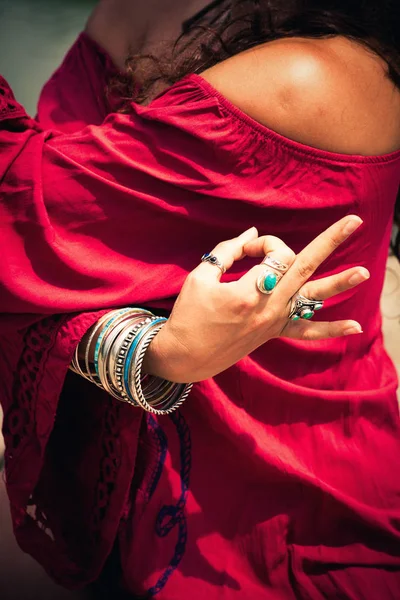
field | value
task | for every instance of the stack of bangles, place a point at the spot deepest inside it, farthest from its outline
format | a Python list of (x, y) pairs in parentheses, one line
[(113, 358)]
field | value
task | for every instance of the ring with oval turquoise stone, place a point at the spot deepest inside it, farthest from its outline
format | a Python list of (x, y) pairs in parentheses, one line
[(268, 280), (304, 308)]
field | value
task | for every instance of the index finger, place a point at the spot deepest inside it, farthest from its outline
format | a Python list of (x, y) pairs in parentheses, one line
[(226, 253), (313, 255)]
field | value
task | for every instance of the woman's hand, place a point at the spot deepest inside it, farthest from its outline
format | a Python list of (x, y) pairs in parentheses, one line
[(214, 324)]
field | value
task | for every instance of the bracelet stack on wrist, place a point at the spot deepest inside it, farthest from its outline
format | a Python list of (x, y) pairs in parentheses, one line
[(117, 345)]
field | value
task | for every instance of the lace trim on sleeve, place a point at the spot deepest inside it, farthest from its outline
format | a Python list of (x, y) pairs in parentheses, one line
[(9, 107)]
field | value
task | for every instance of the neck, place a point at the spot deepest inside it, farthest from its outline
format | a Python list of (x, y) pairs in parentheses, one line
[(124, 27)]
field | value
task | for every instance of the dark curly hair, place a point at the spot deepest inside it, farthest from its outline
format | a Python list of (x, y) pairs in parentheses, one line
[(226, 27)]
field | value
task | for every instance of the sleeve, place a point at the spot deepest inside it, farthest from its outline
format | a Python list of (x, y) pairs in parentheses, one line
[(70, 450), (10, 109), (79, 93), (80, 213), (83, 219), (103, 217)]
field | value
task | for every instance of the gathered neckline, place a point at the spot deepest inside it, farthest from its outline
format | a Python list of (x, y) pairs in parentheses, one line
[(210, 91)]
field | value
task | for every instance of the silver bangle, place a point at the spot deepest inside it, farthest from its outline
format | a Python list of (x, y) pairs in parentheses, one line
[(106, 341), (93, 377), (77, 364), (122, 337), (120, 334), (122, 354), (181, 392)]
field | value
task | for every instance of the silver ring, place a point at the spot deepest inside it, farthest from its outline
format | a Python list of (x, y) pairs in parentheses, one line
[(268, 280), (213, 260), (275, 264), (304, 308)]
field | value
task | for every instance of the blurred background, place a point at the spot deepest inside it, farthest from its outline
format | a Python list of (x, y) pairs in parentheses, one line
[(34, 36)]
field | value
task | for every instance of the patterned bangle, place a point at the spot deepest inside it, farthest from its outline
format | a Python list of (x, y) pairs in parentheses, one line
[(179, 392), (119, 323), (114, 341), (120, 360), (156, 389), (111, 323)]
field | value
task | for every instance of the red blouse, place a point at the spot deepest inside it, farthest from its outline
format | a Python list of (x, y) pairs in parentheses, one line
[(279, 477)]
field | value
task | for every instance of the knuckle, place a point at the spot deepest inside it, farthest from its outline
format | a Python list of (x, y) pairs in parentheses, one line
[(270, 315), (308, 335), (197, 279), (220, 247), (334, 242), (244, 304), (305, 269), (224, 247), (287, 256), (193, 277), (339, 285), (333, 330), (308, 292), (281, 250)]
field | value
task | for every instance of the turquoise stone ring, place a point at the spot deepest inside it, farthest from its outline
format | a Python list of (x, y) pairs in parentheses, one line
[(267, 281), (304, 308), (270, 281)]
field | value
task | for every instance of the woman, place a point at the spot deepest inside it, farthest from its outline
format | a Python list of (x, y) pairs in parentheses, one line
[(274, 479)]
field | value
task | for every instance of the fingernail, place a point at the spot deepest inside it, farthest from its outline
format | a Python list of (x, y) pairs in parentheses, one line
[(247, 233), (353, 330), (359, 277), (351, 226)]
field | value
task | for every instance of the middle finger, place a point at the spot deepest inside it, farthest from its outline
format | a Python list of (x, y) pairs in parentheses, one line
[(325, 288)]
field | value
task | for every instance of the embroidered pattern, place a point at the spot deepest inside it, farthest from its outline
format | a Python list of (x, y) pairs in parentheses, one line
[(9, 107), (19, 421), (19, 429), (109, 465), (162, 447), (171, 516)]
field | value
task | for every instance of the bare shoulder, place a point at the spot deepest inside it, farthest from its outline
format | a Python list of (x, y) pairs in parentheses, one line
[(330, 94)]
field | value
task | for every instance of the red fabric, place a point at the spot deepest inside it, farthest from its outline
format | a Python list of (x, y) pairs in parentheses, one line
[(75, 95), (278, 478)]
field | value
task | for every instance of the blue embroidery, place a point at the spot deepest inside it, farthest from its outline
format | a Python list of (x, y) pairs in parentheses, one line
[(162, 447), (173, 515)]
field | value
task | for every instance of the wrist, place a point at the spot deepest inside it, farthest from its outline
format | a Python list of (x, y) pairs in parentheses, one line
[(165, 358)]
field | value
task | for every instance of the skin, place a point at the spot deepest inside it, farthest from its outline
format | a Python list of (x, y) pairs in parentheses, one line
[(331, 94), (213, 324), (124, 27)]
